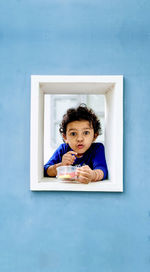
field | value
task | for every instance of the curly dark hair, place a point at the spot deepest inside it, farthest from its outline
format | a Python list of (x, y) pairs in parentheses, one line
[(82, 112)]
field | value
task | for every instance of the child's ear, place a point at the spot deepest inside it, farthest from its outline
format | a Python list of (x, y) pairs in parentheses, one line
[(95, 136), (65, 138)]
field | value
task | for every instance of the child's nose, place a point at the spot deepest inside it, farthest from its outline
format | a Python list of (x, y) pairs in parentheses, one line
[(80, 137)]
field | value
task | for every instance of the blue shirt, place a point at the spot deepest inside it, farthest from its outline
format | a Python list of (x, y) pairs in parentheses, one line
[(94, 157)]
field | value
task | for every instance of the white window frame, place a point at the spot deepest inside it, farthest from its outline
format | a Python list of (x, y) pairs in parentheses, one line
[(112, 88)]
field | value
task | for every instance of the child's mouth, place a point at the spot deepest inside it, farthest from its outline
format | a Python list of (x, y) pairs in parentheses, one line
[(80, 146)]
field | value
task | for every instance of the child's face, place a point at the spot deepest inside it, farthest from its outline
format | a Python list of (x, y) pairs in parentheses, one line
[(79, 136)]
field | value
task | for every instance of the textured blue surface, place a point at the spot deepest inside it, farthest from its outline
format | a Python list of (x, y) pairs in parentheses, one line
[(70, 231)]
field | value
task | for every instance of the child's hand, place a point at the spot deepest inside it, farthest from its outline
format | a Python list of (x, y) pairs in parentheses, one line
[(69, 158), (85, 174)]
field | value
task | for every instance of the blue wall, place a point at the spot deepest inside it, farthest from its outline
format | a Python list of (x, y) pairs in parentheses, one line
[(70, 231)]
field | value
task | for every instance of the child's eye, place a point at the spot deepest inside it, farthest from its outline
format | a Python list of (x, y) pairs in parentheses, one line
[(86, 132), (73, 134)]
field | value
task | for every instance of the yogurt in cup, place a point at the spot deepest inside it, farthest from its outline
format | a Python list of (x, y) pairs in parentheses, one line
[(67, 173)]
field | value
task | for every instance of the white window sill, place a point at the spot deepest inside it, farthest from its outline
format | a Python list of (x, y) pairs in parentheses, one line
[(53, 184)]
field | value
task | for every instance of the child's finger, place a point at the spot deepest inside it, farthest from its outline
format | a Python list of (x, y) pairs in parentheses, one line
[(71, 157), (86, 168), (72, 152), (82, 179), (82, 173), (69, 160)]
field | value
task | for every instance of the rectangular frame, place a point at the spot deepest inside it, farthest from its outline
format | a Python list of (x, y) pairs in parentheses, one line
[(112, 88)]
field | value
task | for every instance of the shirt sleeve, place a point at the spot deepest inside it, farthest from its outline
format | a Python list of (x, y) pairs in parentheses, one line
[(99, 161), (56, 158)]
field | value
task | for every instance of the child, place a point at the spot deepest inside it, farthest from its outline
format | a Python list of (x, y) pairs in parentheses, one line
[(79, 129)]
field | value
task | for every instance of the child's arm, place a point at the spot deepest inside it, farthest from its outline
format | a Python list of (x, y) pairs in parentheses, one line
[(52, 170), (86, 174), (67, 159)]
